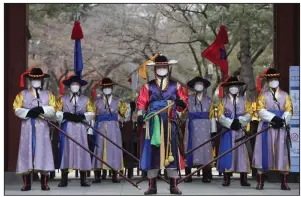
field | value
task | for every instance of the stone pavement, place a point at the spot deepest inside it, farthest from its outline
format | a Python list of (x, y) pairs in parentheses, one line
[(125, 188)]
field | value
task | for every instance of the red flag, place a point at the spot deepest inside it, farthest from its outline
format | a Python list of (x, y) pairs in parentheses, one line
[(216, 52)]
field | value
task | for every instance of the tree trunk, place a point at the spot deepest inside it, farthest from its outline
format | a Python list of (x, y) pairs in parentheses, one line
[(246, 74)]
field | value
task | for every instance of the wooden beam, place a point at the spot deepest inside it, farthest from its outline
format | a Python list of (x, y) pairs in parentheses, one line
[(15, 63)]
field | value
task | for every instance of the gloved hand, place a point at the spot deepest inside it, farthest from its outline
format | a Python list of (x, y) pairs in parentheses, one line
[(32, 114), (235, 125), (38, 110), (81, 117), (140, 119), (180, 103), (78, 118), (213, 135), (67, 115), (277, 122)]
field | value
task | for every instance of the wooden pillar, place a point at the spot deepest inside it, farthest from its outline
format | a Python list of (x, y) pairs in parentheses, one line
[(286, 40), (15, 63), (286, 52)]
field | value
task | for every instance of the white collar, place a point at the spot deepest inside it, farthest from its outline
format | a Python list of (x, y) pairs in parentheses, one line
[(199, 96), (109, 99), (75, 98), (33, 91), (232, 98), (277, 93)]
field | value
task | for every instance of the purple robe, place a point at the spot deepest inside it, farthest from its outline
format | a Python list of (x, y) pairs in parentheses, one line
[(35, 154), (108, 125), (73, 156), (277, 153), (200, 130), (238, 159)]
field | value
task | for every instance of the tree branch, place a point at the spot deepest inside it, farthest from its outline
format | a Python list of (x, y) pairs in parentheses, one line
[(195, 59), (260, 51)]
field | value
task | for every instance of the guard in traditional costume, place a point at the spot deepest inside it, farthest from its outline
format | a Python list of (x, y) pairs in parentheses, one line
[(35, 151), (199, 127), (72, 109), (160, 145), (234, 113), (107, 110), (272, 147)]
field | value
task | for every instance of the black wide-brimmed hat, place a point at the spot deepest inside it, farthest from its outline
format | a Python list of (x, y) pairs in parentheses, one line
[(232, 81), (74, 78), (106, 82), (271, 73), (161, 60), (36, 73), (33, 73), (103, 83), (69, 81), (192, 82), (268, 73)]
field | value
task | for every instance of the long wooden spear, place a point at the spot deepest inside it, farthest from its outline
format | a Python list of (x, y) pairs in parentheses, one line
[(200, 168), (104, 136), (60, 130)]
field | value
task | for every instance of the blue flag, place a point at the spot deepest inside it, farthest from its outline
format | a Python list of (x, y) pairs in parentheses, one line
[(78, 59)]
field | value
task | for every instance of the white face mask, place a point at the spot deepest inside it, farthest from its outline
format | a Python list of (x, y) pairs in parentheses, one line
[(74, 88), (107, 91), (199, 87), (162, 71), (233, 90), (274, 84), (36, 83)]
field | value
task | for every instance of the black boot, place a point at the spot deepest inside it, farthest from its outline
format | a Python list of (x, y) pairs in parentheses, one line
[(97, 175), (44, 182), (64, 179), (27, 182), (104, 175), (206, 175), (83, 181), (152, 187), (173, 186), (243, 179), (260, 182), (187, 172), (227, 179), (284, 185), (115, 177)]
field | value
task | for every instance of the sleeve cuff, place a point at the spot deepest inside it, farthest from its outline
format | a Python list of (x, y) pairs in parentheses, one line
[(21, 113), (89, 116), (265, 115), (226, 122), (59, 116), (48, 111), (213, 125), (287, 117), (244, 120)]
